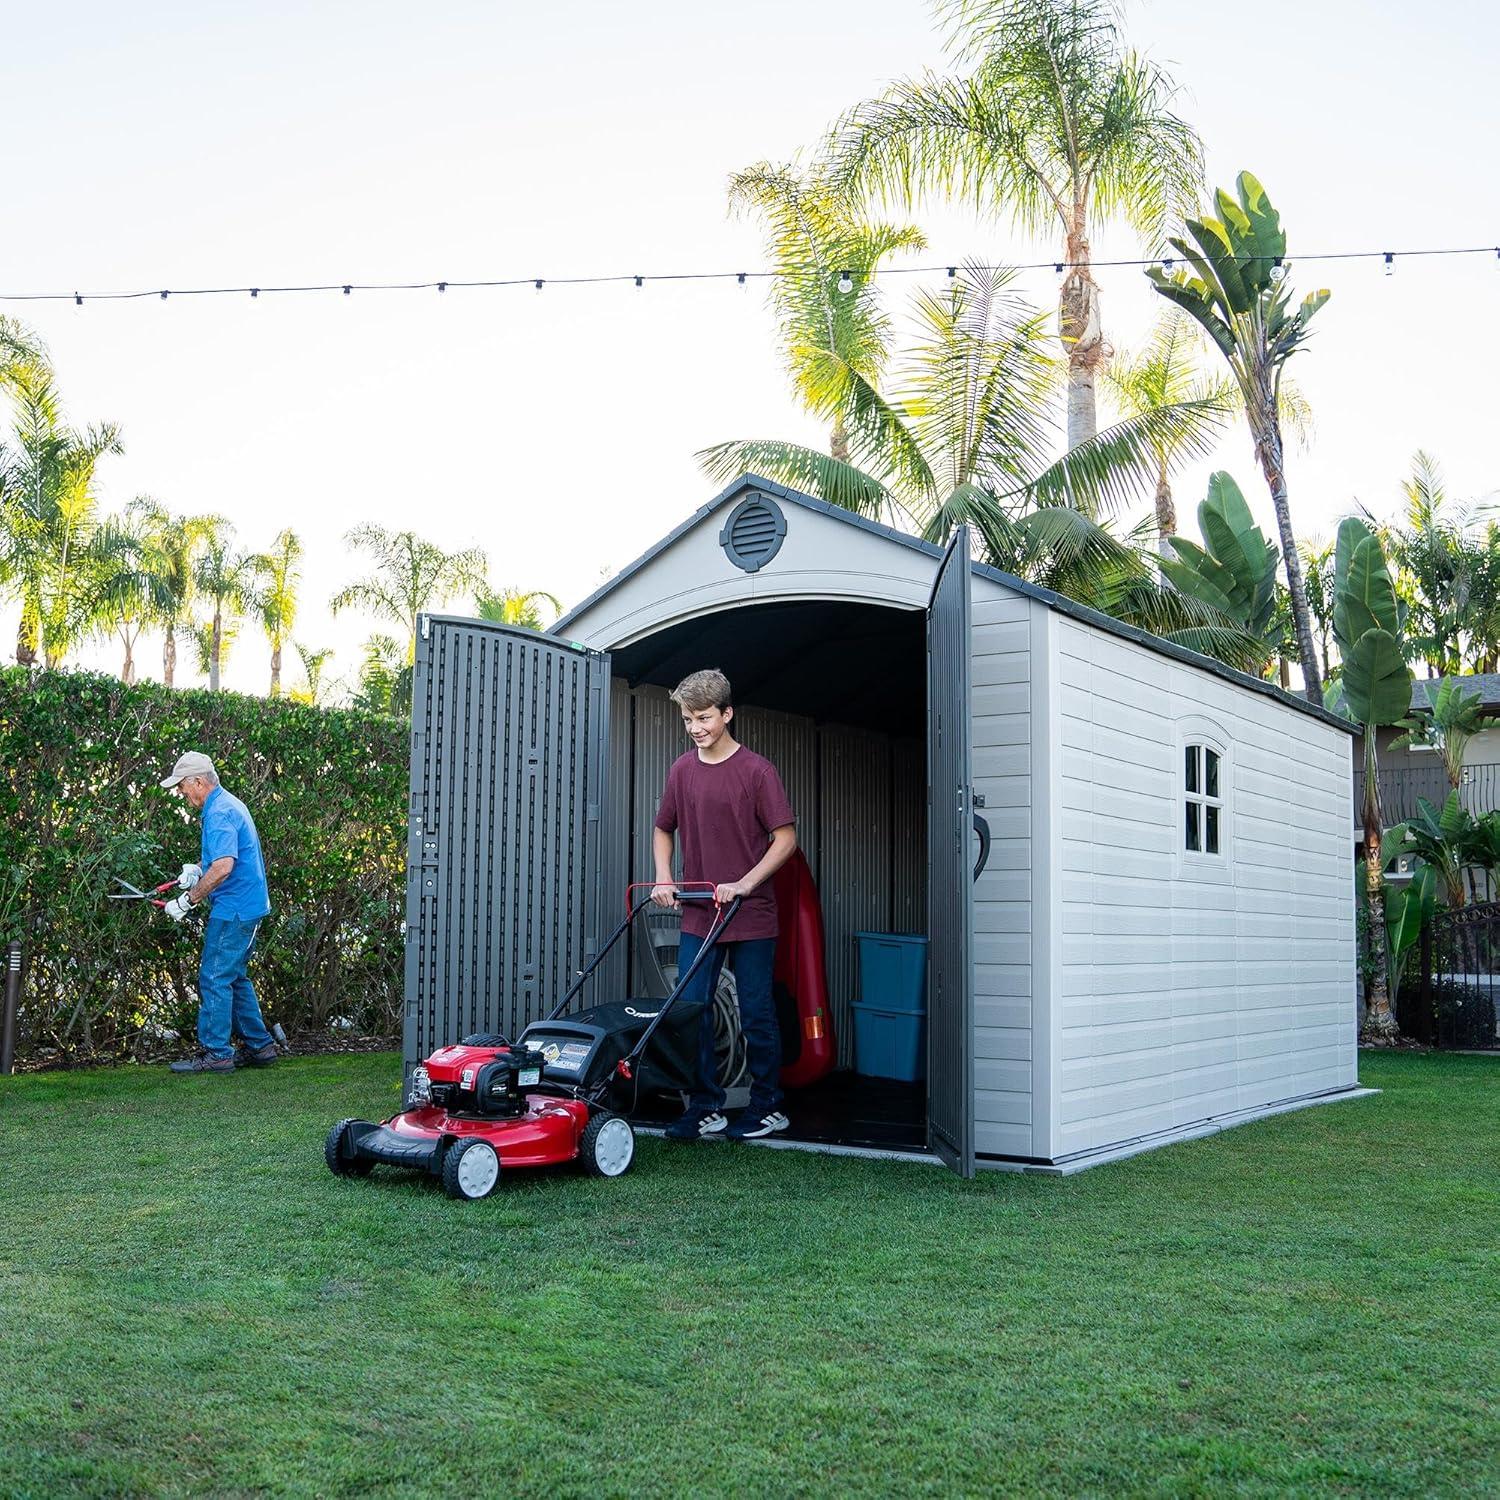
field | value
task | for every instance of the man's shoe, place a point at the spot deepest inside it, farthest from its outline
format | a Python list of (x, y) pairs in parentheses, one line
[(255, 1057), (205, 1062), (696, 1124), (750, 1126)]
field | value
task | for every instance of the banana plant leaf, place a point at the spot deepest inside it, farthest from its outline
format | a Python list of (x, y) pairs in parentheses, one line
[(1408, 908), (1364, 596), (1376, 678)]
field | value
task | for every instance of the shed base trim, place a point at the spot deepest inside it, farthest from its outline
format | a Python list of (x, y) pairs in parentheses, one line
[(1080, 1161)]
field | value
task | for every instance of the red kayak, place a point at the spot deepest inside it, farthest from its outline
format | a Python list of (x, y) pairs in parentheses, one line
[(799, 978)]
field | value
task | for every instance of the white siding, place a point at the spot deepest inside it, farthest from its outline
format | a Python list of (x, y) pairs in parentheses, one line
[(1178, 997), (1002, 729)]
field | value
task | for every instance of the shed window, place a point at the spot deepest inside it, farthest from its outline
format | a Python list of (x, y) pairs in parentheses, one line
[(1203, 804)]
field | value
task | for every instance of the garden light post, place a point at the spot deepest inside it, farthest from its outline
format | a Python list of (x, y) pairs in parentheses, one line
[(12, 999)]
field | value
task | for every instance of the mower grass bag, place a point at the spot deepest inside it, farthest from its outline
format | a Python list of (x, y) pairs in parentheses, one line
[(586, 1049)]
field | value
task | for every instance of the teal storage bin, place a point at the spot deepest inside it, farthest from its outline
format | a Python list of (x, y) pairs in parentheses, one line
[(889, 1043), (893, 970)]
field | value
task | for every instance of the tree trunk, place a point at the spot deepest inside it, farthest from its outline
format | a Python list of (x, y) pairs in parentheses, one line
[(127, 671), (276, 669), (26, 639), (1268, 450), (838, 442), (1166, 514), (1082, 338), (213, 651), (1283, 671), (169, 655), (1380, 1020)]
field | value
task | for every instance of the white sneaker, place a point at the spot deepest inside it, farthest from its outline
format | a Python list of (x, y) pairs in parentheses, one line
[(751, 1127)]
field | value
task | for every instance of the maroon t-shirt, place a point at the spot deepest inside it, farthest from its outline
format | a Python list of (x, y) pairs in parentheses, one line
[(723, 813)]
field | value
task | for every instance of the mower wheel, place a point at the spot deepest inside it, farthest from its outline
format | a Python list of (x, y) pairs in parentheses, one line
[(607, 1145), (470, 1169), (333, 1153)]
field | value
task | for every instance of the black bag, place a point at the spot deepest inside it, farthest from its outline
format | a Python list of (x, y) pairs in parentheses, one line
[(585, 1049)]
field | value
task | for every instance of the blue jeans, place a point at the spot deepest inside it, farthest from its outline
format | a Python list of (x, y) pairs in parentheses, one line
[(751, 963), (226, 997)]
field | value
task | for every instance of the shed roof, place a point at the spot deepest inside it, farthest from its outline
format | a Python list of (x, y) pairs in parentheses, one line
[(738, 488)]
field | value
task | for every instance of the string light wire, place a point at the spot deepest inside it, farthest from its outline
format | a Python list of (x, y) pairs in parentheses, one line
[(347, 288)]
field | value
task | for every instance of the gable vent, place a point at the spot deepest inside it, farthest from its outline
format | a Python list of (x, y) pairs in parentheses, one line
[(754, 532)]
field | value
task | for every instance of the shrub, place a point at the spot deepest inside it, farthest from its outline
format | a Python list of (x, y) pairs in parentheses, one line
[(81, 756)]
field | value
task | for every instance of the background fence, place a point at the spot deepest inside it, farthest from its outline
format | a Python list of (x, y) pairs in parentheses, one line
[(1453, 1004), (81, 756), (1479, 790)]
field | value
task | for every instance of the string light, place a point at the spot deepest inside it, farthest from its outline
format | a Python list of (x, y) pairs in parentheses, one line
[(846, 283), (1388, 257)]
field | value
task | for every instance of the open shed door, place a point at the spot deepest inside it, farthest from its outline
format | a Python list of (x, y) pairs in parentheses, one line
[(504, 853), (950, 899)]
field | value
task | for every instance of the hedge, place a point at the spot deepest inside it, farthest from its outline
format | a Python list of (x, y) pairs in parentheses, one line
[(81, 756)]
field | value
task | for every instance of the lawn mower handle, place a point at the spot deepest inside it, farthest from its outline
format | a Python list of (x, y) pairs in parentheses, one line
[(722, 918), (701, 890)]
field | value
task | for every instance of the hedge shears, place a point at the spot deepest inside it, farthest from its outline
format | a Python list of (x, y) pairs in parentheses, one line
[(133, 893)]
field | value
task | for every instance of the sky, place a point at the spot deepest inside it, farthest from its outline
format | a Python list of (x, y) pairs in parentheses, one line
[(175, 145)]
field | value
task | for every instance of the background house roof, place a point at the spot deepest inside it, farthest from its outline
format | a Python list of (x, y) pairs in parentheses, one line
[(1486, 684)]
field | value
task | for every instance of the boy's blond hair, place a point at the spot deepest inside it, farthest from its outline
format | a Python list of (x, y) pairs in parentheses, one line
[(700, 690)]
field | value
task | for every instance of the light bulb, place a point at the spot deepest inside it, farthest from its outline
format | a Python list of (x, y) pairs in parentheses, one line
[(846, 283), (1278, 273)]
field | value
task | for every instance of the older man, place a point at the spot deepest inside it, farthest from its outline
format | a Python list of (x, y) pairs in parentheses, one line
[(233, 873)]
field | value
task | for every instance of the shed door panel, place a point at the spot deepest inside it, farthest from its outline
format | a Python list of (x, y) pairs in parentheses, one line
[(510, 737), (950, 903)]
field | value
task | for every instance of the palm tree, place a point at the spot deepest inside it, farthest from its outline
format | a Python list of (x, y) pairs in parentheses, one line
[(224, 577), (172, 546), (411, 575), (1238, 290), (275, 596), (313, 663), (1317, 577), (1484, 598), (212, 645), (20, 350), (1058, 127), (48, 510), (513, 607), (833, 329), (957, 443), (1434, 561), (384, 677), (131, 591), (1166, 372)]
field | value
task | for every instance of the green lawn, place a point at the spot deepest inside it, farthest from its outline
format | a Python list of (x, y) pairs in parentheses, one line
[(190, 1303)]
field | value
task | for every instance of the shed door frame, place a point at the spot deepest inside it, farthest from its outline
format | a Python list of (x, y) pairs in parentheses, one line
[(950, 889), (505, 866)]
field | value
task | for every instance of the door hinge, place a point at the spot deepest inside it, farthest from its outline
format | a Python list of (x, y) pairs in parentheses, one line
[(977, 798)]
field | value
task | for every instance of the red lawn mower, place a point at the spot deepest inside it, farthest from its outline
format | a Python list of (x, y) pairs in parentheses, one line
[(559, 1093)]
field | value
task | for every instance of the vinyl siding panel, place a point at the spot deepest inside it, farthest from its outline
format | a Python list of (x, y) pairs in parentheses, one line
[(1187, 989), (1001, 668)]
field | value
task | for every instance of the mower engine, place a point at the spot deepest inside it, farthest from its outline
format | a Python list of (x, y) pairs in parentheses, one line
[(482, 1075)]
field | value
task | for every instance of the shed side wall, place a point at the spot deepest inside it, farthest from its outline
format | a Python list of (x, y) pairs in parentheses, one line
[(1185, 992), (1001, 665)]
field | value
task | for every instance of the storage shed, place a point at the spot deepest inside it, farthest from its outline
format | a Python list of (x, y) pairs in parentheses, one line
[(1159, 939)]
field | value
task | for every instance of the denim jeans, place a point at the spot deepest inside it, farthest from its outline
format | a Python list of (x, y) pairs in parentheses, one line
[(226, 998), (751, 963)]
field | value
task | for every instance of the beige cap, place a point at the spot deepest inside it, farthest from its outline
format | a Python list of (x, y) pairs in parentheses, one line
[(190, 763)]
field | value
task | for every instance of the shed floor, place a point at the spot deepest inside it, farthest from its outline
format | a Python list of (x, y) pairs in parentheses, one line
[(845, 1109), (842, 1109)]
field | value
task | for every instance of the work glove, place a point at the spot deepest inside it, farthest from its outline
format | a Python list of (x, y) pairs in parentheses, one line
[(179, 908), (191, 875)]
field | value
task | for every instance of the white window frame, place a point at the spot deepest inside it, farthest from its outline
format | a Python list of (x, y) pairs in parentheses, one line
[(1199, 864)]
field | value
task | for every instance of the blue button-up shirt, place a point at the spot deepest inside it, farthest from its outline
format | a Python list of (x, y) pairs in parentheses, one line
[(229, 830)]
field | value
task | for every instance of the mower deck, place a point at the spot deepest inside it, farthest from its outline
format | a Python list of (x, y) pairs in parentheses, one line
[(546, 1134)]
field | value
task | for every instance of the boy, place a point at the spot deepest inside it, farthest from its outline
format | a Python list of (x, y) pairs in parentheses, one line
[(737, 828)]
